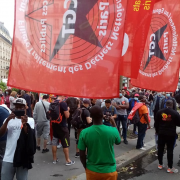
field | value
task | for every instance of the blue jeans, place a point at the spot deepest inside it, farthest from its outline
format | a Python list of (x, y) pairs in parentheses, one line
[(123, 120), (8, 172), (141, 134), (134, 129)]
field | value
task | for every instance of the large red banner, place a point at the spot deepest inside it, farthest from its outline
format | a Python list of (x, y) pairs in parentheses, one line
[(69, 47), (138, 18), (159, 68)]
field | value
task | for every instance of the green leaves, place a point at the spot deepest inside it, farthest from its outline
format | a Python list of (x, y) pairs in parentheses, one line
[(3, 86)]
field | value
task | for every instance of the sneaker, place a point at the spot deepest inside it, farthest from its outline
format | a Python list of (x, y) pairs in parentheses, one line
[(49, 143), (173, 170), (54, 162), (160, 166), (77, 155), (59, 146), (38, 148), (125, 141), (45, 150), (143, 148), (144, 145), (70, 163)]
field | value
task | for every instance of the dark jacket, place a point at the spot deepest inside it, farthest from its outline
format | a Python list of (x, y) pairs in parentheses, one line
[(174, 103), (166, 121), (25, 150), (28, 101), (85, 113), (4, 113)]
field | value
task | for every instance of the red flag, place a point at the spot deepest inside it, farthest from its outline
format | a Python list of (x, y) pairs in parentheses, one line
[(68, 47), (159, 69), (137, 23)]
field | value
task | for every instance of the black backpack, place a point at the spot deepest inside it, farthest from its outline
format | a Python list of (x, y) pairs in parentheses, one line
[(136, 118), (54, 112), (77, 121)]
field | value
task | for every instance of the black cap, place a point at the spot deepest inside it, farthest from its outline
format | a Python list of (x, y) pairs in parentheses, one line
[(86, 101)]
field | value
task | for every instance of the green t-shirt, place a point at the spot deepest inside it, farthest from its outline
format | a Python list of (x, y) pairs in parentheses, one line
[(99, 141)]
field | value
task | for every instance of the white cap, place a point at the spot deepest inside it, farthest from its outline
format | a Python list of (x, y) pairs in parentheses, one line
[(20, 101)]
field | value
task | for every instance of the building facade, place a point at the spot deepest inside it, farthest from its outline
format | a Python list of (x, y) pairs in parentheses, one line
[(5, 51)]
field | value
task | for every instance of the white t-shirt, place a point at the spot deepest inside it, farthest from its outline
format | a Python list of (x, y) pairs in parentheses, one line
[(14, 130)]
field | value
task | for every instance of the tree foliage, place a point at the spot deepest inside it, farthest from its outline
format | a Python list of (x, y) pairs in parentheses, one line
[(3, 86), (14, 89)]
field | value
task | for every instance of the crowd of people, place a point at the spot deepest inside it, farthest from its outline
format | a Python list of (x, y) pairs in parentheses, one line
[(25, 120)]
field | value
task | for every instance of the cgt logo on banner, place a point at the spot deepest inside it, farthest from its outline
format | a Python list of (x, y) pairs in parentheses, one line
[(159, 68), (138, 19), (58, 44)]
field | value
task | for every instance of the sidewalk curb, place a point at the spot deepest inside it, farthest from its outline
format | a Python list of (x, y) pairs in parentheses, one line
[(133, 155)]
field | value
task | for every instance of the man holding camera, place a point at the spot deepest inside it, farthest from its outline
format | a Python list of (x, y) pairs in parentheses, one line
[(15, 125), (109, 112)]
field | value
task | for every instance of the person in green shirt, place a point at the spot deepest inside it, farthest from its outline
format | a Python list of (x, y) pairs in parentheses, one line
[(99, 142)]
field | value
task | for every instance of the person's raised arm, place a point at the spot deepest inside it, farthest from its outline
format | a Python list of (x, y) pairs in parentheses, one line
[(24, 120), (3, 128)]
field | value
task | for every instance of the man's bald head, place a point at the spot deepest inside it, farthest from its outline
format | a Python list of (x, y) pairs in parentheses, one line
[(96, 114), (169, 103)]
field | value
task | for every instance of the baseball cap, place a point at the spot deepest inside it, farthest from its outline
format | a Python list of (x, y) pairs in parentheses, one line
[(86, 101), (20, 101), (136, 95)]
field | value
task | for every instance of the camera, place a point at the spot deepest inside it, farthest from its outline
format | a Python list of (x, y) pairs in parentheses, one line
[(107, 116)]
